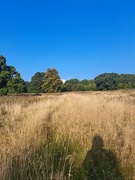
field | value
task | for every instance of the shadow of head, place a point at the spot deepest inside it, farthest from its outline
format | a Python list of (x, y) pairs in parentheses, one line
[(97, 142)]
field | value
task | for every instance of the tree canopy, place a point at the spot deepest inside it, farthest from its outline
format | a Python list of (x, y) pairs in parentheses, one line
[(76, 85), (113, 81), (107, 81), (10, 79), (126, 81), (51, 81), (37, 82)]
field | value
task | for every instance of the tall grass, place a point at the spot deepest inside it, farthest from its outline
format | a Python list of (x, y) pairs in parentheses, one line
[(49, 137)]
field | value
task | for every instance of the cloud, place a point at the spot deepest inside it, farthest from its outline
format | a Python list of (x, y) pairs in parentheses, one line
[(63, 80)]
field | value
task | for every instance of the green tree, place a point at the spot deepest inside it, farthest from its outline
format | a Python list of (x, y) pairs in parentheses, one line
[(4, 76), (107, 81), (2, 63), (37, 82), (71, 85), (80, 87), (76, 85), (51, 81), (126, 81), (16, 84), (88, 84), (10, 79), (28, 86)]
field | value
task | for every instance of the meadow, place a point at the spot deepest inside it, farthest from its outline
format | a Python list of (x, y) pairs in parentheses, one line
[(53, 136)]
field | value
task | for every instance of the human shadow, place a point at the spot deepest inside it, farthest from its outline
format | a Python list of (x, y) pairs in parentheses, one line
[(101, 163)]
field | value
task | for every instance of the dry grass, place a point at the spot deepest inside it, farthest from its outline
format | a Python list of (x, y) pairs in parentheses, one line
[(48, 137)]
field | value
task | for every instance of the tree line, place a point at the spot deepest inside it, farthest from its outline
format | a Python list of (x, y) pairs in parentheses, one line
[(50, 81)]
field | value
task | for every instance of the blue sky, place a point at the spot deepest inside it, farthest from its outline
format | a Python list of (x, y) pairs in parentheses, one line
[(80, 38)]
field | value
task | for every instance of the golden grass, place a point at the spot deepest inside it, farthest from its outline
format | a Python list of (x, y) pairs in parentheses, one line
[(71, 121)]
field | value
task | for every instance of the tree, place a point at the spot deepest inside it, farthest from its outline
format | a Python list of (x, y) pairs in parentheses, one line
[(16, 84), (126, 81), (76, 85), (28, 86), (37, 82), (88, 84), (51, 81), (4, 76), (107, 81), (10, 79), (80, 87), (2, 63), (71, 85)]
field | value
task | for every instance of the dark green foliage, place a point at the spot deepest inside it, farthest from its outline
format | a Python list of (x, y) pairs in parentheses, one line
[(80, 87), (71, 85), (88, 84), (16, 84), (51, 81), (28, 86), (4, 76), (73, 81), (76, 85), (126, 81), (107, 81), (2, 63), (37, 82), (10, 79), (3, 91), (113, 81)]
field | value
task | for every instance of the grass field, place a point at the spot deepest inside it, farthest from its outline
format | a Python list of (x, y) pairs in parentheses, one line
[(76, 136)]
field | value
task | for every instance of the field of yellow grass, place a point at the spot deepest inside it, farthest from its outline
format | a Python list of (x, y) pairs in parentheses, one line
[(52, 136)]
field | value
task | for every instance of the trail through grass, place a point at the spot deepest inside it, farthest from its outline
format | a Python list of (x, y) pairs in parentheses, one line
[(50, 137)]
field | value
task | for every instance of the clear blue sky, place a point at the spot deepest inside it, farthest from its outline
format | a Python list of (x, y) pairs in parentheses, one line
[(80, 38)]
